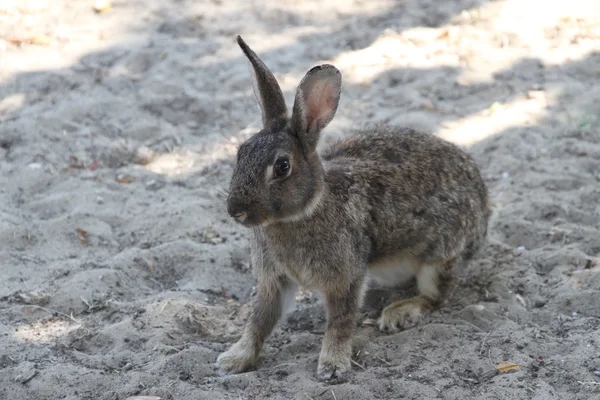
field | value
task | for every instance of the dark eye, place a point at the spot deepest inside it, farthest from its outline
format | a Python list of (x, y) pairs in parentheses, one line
[(281, 167)]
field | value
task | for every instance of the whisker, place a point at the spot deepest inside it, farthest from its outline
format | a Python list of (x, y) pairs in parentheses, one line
[(223, 194), (228, 220), (229, 140)]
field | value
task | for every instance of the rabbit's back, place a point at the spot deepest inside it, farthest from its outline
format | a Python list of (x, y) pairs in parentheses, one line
[(421, 194)]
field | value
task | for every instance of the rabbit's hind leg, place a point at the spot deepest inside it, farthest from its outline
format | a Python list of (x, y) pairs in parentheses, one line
[(406, 313)]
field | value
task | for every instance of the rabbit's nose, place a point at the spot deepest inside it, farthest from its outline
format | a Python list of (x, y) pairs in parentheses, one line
[(237, 210)]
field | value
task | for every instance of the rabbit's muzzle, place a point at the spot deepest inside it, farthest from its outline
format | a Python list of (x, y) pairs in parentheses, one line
[(238, 210), (243, 212)]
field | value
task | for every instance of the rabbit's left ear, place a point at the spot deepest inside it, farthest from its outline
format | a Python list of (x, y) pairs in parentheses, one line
[(316, 102), (266, 89)]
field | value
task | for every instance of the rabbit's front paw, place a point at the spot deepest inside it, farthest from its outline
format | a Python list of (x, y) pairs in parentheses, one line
[(239, 358), (402, 314), (333, 372)]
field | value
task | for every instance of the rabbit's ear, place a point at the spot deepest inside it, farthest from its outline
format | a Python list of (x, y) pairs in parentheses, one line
[(266, 89), (316, 102)]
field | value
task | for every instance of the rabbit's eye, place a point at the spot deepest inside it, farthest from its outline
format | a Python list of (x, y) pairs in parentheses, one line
[(281, 167)]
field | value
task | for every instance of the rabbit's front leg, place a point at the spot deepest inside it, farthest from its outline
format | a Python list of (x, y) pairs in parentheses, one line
[(267, 308), (336, 352)]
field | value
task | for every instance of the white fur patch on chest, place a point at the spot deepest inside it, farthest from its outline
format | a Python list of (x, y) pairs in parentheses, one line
[(302, 275), (393, 271)]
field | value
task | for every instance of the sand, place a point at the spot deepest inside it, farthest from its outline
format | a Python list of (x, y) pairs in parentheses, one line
[(121, 275)]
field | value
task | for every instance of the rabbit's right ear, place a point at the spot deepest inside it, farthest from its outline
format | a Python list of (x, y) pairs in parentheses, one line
[(316, 102), (266, 89)]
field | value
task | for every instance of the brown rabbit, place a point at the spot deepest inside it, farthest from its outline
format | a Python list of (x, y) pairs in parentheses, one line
[(386, 203)]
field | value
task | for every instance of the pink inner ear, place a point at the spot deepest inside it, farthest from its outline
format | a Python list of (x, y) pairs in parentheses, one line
[(319, 104)]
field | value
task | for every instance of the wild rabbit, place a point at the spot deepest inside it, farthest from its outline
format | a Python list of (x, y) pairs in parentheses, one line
[(389, 204)]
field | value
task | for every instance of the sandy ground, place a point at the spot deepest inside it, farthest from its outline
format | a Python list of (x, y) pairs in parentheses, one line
[(120, 274)]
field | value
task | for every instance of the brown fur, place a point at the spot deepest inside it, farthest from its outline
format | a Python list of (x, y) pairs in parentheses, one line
[(387, 197)]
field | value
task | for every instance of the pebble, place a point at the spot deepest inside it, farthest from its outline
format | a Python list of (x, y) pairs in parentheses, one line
[(505, 174), (539, 302), (597, 372), (100, 200), (239, 254), (153, 184), (574, 314)]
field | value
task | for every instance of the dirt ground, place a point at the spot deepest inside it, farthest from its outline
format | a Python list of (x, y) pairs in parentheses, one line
[(121, 275)]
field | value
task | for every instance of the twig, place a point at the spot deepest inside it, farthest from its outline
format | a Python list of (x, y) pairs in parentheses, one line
[(163, 307), (471, 324), (86, 303), (333, 393), (286, 365), (162, 287), (25, 258), (483, 342), (589, 383), (172, 347), (357, 364), (428, 359), (383, 360), (55, 312), (30, 377)]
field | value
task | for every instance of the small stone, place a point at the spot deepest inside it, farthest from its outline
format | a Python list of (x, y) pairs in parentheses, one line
[(597, 372), (539, 302), (239, 254), (100, 200), (505, 174), (427, 105), (521, 248), (153, 184), (574, 313)]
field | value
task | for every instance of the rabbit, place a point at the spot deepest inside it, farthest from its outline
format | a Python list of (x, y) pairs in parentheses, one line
[(385, 204)]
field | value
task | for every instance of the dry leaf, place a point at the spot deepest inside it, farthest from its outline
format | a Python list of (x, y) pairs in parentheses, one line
[(210, 235), (83, 235), (101, 6), (444, 34), (505, 367), (125, 178), (41, 40), (427, 105)]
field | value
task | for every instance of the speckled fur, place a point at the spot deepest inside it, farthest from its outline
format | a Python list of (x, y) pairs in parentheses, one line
[(383, 194)]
